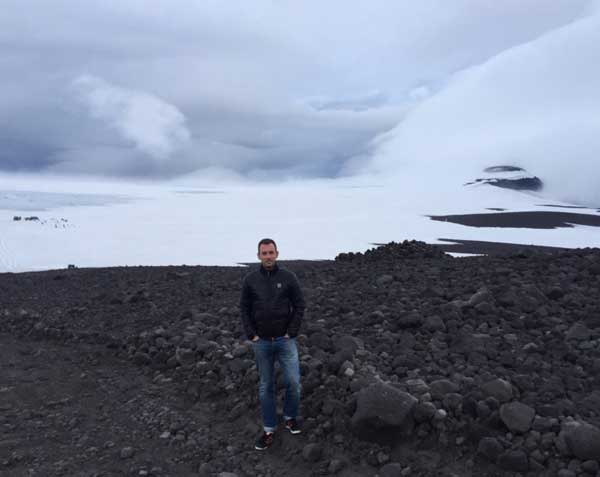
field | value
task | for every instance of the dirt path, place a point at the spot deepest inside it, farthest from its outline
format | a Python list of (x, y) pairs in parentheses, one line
[(79, 411)]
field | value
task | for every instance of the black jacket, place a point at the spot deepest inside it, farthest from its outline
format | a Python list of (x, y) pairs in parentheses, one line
[(272, 303)]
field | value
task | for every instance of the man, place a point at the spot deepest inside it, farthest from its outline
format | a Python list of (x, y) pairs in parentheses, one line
[(272, 307)]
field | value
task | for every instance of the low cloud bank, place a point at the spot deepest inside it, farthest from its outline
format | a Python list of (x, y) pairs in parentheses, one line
[(535, 106), (270, 90), (154, 126)]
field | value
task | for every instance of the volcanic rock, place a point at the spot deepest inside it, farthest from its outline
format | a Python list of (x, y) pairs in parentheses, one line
[(482, 296), (441, 387), (320, 340), (578, 332), (311, 452), (498, 389), (410, 320), (127, 452), (590, 466), (434, 323), (582, 439), (514, 460), (382, 407), (156, 356), (490, 448), (393, 469), (336, 465), (517, 416), (424, 411)]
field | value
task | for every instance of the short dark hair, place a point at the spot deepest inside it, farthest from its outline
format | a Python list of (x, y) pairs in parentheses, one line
[(266, 241)]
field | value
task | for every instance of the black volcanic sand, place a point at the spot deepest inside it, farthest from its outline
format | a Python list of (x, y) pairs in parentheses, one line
[(528, 220), (494, 248), (413, 363)]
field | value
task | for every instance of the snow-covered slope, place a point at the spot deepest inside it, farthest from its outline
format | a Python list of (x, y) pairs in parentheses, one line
[(93, 223), (535, 104)]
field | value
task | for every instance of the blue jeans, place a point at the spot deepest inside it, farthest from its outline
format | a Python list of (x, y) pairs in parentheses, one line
[(285, 351)]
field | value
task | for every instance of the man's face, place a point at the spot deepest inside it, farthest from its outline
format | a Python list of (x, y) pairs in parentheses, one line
[(267, 254)]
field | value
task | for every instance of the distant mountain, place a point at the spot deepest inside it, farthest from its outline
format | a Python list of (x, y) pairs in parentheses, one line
[(509, 177)]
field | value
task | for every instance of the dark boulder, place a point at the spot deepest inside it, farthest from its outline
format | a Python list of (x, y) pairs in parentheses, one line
[(517, 416), (382, 411), (582, 439)]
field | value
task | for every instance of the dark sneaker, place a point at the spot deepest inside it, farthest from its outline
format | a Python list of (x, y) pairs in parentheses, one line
[(264, 441), (292, 426)]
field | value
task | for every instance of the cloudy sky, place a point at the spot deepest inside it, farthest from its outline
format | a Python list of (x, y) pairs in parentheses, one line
[(268, 89)]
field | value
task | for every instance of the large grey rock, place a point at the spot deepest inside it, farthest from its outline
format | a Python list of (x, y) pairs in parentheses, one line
[(339, 358), (346, 342), (320, 340), (514, 460), (517, 416), (578, 332), (185, 356), (311, 452), (424, 411), (591, 466), (466, 342), (434, 323), (441, 387), (499, 389), (141, 359), (410, 320), (482, 296), (566, 473), (452, 401), (490, 448), (336, 465), (417, 386), (381, 406), (582, 439), (127, 452), (384, 279), (393, 469)]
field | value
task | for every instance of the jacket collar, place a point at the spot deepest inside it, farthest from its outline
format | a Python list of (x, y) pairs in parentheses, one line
[(264, 271)]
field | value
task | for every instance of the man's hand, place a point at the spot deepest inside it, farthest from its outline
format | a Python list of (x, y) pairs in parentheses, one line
[(286, 336), (255, 338)]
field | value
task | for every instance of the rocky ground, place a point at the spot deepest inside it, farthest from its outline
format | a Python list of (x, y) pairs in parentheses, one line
[(524, 219), (413, 363)]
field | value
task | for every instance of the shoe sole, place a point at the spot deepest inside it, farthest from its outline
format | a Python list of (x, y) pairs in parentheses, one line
[(258, 448), (294, 432)]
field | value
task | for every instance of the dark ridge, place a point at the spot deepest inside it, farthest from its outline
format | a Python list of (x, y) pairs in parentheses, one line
[(393, 250), (503, 169), (475, 181), (526, 183), (497, 209), (526, 220), (494, 248), (563, 206)]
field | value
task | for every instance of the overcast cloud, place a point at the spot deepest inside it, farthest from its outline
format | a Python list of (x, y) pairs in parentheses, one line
[(265, 89), (534, 106)]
